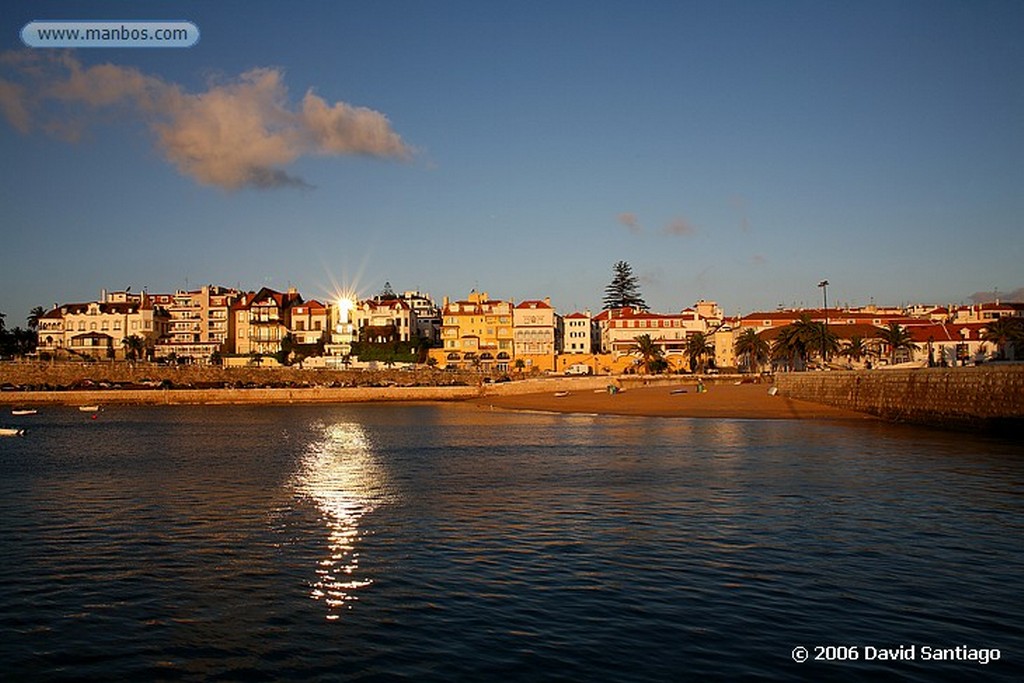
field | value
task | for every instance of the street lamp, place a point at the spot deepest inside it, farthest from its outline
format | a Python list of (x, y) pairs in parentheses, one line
[(824, 331)]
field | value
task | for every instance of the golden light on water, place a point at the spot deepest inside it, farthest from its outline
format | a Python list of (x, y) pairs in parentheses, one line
[(342, 476)]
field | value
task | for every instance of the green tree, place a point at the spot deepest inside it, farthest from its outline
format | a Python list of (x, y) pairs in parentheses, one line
[(520, 365), (648, 351), (897, 338), (698, 348), (624, 289), (753, 349)]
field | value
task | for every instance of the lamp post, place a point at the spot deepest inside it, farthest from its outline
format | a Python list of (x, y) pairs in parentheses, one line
[(824, 331)]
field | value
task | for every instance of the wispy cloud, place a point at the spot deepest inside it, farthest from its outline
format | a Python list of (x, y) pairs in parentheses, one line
[(630, 221), (680, 227), (235, 134)]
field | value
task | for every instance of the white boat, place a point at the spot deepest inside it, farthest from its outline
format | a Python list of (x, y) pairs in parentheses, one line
[(89, 409), (8, 431), (24, 411)]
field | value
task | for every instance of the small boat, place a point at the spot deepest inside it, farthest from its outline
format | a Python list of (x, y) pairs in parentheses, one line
[(561, 394), (24, 411), (89, 409), (8, 431)]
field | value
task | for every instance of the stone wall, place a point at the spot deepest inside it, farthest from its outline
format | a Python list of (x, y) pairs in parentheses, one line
[(988, 397), (63, 375)]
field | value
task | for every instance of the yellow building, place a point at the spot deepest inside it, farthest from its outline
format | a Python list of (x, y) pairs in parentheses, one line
[(477, 333)]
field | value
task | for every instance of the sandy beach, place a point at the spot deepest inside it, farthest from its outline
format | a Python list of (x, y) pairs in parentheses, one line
[(720, 401)]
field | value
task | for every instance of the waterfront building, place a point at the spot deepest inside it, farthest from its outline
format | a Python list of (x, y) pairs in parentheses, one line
[(427, 315), (476, 332), (766, 320), (382, 321), (310, 323), (948, 344), (198, 324), (579, 335), (262, 319), (536, 333), (98, 329), (620, 327)]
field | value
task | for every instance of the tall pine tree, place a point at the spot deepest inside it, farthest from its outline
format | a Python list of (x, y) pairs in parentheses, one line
[(624, 289)]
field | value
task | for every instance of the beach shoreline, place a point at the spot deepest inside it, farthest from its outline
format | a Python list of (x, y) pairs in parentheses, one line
[(681, 400), (678, 398)]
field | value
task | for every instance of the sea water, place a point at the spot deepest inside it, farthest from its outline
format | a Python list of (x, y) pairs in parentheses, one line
[(452, 542)]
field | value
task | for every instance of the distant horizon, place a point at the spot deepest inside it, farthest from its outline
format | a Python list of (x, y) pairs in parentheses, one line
[(736, 151)]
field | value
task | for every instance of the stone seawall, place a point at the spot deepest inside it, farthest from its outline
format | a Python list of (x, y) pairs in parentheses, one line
[(258, 386), (986, 397)]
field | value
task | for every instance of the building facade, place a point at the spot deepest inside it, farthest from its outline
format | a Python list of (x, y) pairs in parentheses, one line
[(100, 329), (199, 324), (477, 333), (620, 328), (262, 319)]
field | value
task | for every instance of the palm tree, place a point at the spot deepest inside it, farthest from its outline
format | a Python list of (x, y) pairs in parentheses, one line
[(897, 338), (648, 351), (856, 349), (1003, 331), (790, 347), (698, 347), (520, 365), (753, 349), (133, 346), (33, 317)]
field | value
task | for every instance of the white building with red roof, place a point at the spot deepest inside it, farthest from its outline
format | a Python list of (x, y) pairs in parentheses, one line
[(536, 333), (621, 326)]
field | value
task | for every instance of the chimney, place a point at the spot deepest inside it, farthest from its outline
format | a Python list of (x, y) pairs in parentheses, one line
[(547, 300)]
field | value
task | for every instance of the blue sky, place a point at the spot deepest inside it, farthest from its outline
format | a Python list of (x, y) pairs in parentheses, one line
[(735, 151)]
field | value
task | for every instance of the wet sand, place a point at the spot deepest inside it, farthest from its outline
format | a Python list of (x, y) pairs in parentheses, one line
[(720, 401)]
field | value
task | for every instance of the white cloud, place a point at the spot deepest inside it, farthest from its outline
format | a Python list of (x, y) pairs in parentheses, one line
[(242, 133)]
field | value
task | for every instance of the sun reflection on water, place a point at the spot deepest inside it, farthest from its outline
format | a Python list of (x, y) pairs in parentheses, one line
[(340, 473)]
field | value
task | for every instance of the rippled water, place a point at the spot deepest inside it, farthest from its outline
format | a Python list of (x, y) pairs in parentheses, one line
[(433, 542)]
